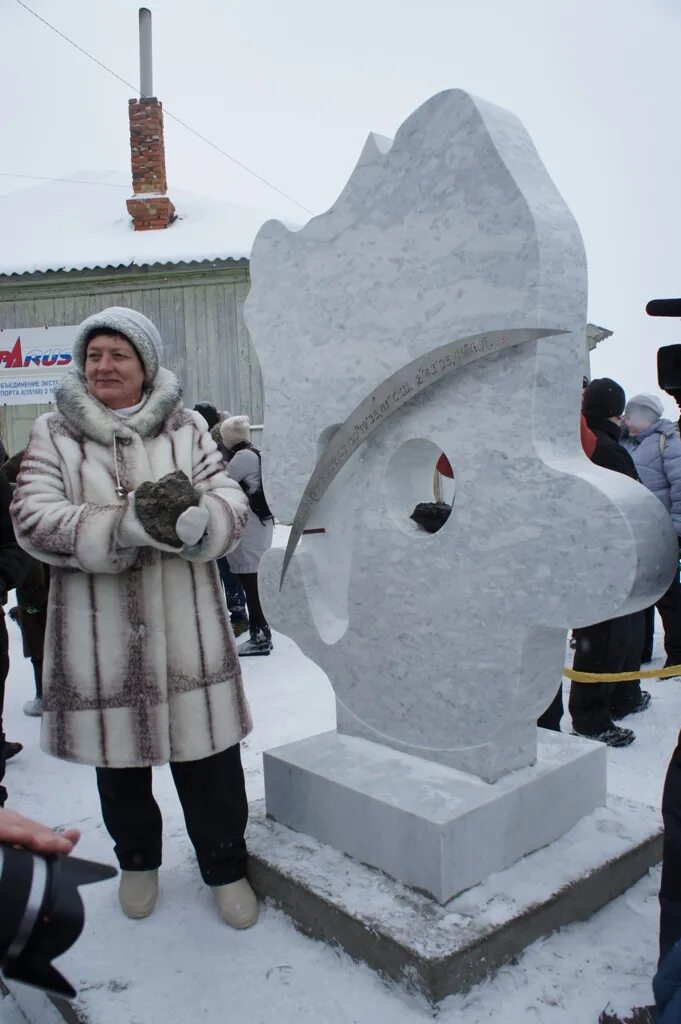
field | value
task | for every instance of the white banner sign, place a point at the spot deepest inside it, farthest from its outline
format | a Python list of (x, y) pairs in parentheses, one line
[(32, 359)]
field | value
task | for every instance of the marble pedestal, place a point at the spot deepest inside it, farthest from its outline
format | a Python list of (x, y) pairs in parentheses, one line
[(407, 937), (427, 825)]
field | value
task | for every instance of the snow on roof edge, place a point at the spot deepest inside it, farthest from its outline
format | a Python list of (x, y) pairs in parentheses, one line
[(66, 225), (173, 262)]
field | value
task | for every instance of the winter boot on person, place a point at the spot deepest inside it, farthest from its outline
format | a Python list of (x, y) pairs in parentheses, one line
[(617, 714), (613, 736), (260, 642), (138, 892), (237, 903), (33, 708), (12, 749), (240, 626)]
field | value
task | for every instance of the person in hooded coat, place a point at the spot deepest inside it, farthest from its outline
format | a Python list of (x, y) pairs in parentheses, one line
[(140, 663)]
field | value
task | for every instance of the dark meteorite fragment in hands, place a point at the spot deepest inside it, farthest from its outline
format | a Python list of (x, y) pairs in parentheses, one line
[(159, 504)]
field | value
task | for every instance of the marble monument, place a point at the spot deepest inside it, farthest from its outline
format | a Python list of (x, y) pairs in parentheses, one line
[(439, 306)]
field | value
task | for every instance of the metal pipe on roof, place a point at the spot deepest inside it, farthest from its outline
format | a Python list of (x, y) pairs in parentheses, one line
[(146, 66)]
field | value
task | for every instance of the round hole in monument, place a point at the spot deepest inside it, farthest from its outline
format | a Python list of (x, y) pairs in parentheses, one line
[(419, 483)]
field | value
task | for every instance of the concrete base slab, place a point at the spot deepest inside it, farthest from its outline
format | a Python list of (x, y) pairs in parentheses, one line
[(428, 825), (404, 935), (438, 950)]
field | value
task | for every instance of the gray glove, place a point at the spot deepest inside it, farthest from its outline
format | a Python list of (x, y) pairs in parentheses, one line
[(191, 525)]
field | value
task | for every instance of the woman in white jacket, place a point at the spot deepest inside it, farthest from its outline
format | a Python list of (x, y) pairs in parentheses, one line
[(243, 466), (140, 662)]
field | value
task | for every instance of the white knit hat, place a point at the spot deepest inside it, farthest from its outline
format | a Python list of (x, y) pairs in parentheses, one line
[(234, 430), (647, 401), (136, 327)]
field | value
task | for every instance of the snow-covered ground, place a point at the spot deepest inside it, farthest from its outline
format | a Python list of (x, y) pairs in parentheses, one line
[(272, 974)]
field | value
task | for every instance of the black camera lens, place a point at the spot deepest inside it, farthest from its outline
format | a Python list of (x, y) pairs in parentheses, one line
[(41, 913)]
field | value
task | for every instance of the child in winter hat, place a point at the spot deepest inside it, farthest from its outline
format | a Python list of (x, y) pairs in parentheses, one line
[(235, 430)]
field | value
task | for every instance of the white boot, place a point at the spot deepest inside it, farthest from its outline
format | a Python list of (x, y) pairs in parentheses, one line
[(237, 903), (138, 892)]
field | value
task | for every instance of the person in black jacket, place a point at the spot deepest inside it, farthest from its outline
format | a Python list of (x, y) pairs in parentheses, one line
[(13, 566), (31, 608), (615, 645)]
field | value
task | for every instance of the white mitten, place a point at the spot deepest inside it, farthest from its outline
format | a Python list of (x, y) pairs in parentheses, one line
[(191, 525), (131, 533)]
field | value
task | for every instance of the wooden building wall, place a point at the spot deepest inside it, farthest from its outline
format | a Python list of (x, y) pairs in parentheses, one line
[(198, 309)]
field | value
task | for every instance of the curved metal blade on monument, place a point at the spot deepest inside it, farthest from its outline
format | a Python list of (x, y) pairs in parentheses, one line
[(392, 394)]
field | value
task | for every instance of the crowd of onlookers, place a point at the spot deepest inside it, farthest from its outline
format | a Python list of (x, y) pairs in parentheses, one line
[(634, 438), (239, 573)]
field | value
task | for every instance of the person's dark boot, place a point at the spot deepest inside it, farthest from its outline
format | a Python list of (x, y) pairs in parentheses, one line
[(258, 644), (612, 736), (617, 714)]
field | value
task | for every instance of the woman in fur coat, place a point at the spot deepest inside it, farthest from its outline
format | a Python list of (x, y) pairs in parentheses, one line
[(140, 662)]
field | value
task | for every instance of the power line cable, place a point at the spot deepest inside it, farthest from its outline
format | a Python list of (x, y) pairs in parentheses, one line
[(168, 113)]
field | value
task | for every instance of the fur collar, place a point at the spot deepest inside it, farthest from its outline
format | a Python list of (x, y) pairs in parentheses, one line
[(95, 420)]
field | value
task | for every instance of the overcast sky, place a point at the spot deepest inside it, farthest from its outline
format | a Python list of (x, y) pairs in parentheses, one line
[(292, 88)]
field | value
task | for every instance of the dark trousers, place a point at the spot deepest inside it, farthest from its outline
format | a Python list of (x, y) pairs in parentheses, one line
[(4, 672), (4, 666), (670, 887), (612, 646), (213, 798), (234, 592), (552, 716), (38, 676), (649, 638), (256, 616), (669, 607)]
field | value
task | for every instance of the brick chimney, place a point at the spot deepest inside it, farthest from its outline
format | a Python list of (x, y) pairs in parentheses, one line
[(149, 206)]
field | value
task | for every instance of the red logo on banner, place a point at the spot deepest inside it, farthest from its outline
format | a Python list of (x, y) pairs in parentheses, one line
[(13, 359)]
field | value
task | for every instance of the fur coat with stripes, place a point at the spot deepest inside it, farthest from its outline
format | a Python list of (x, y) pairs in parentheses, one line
[(140, 661)]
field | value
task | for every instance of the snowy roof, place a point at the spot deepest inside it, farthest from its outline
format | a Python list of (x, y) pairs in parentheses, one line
[(81, 223)]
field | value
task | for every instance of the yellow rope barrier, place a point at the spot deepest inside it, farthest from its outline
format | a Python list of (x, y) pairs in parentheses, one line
[(621, 677)]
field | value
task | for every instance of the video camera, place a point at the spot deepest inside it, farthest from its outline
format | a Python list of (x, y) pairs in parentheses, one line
[(41, 913), (669, 356)]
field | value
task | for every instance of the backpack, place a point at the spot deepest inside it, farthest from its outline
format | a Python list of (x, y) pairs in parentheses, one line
[(256, 498)]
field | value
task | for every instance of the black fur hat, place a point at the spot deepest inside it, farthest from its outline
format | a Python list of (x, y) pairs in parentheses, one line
[(603, 397)]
